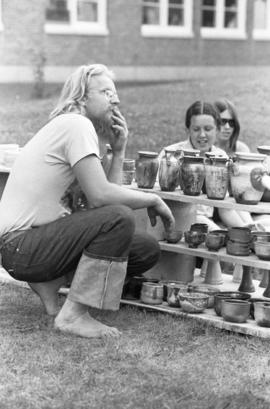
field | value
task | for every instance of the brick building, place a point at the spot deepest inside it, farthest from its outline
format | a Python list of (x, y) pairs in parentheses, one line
[(139, 39)]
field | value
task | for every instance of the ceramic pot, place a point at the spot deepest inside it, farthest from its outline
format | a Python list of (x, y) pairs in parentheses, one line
[(235, 310), (194, 238), (236, 295), (214, 241), (237, 248), (252, 302), (127, 177), (152, 293), (223, 233), (204, 289), (192, 175), (241, 234), (193, 302), (179, 284), (169, 170), (146, 169), (129, 165), (172, 293), (262, 249), (259, 236), (262, 313), (199, 227), (173, 236), (186, 152), (243, 172), (263, 149), (216, 177)]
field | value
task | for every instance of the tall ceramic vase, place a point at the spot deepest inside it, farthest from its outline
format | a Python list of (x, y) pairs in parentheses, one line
[(216, 177), (246, 187), (192, 175)]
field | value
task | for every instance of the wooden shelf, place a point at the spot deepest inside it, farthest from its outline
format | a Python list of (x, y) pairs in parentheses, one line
[(182, 248), (227, 203)]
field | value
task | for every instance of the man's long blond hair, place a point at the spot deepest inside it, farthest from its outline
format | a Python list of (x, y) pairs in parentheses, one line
[(74, 92)]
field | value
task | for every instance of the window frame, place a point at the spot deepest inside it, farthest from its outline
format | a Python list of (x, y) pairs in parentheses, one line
[(221, 32), (163, 29), (262, 33), (81, 27), (1, 14)]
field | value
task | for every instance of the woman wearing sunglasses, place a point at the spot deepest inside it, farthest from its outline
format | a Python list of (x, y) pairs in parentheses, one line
[(227, 139)]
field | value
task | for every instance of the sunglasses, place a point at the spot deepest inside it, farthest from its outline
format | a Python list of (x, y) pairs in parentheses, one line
[(225, 121)]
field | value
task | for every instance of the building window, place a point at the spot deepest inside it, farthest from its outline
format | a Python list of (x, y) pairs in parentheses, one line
[(167, 18), (223, 18), (261, 29), (76, 17), (1, 22)]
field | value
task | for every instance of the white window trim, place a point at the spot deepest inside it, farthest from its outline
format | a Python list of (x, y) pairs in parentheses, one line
[(1, 21), (81, 27), (163, 30), (263, 34), (220, 32)]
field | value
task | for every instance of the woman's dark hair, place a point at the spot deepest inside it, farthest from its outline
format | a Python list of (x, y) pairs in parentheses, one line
[(202, 108), (222, 105)]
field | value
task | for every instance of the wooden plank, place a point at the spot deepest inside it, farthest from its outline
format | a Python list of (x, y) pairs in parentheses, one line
[(182, 248), (227, 203), (208, 316)]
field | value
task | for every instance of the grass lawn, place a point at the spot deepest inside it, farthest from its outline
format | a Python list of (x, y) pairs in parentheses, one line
[(160, 361)]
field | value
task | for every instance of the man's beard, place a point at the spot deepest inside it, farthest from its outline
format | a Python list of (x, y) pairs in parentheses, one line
[(103, 129)]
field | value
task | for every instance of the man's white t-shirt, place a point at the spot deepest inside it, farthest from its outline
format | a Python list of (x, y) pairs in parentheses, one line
[(43, 171)]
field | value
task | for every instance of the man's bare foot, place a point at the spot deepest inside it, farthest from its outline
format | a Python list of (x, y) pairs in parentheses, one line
[(84, 326), (48, 293)]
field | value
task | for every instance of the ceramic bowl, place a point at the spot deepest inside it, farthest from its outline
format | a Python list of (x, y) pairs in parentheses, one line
[(222, 232), (194, 238), (235, 310), (252, 301), (262, 249), (262, 313), (205, 289), (214, 241), (152, 293), (193, 302), (236, 248), (259, 236), (241, 234), (222, 295), (173, 236), (200, 227), (167, 283)]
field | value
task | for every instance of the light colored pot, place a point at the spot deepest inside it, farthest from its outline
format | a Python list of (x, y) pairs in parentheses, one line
[(243, 172)]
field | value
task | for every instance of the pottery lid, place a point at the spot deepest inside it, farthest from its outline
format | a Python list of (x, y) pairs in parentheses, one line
[(149, 154), (250, 156), (264, 149)]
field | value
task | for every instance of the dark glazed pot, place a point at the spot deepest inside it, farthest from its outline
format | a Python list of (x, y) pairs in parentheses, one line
[(235, 310), (146, 169), (222, 295), (262, 313), (192, 175)]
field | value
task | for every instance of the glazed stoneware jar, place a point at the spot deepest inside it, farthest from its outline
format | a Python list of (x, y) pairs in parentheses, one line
[(152, 293), (147, 166), (169, 170), (246, 189), (216, 177), (263, 149), (192, 175)]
